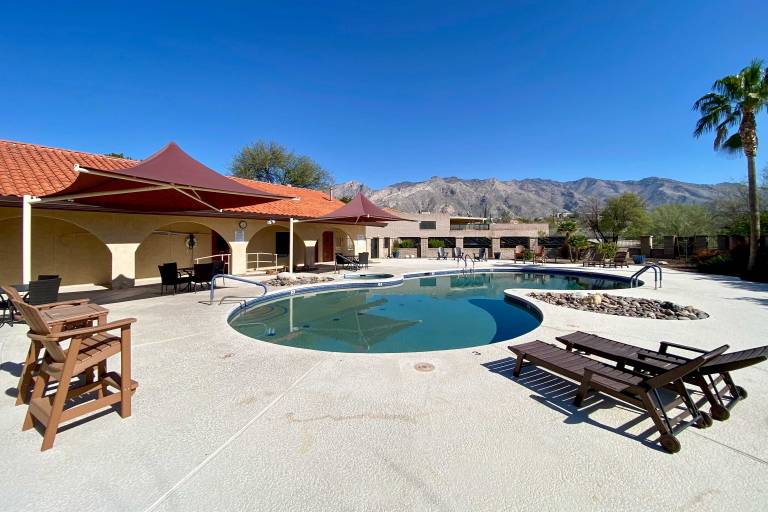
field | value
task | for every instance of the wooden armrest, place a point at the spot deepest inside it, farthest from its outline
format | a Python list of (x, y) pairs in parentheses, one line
[(664, 345), (589, 373), (663, 360), (84, 332), (74, 302)]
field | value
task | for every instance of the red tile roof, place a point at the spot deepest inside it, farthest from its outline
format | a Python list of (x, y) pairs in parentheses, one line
[(40, 170), (311, 203)]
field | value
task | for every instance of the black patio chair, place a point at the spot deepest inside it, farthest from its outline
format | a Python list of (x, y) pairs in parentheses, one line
[(202, 275), (441, 254), (362, 259), (345, 262), (169, 276), (482, 256), (43, 291), (458, 253), (47, 276)]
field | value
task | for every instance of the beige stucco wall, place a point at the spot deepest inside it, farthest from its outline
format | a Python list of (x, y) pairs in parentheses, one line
[(99, 247), (58, 247)]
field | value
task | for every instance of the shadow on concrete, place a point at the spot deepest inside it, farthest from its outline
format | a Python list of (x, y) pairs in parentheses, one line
[(557, 393), (739, 284)]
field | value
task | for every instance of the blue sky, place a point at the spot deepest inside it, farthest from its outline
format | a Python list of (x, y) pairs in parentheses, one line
[(385, 91)]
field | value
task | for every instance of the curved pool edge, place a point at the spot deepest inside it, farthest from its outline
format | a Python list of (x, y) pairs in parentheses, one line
[(341, 284)]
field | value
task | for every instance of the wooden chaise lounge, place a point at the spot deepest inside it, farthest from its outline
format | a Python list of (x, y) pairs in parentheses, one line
[(707, 377), (636, 389)]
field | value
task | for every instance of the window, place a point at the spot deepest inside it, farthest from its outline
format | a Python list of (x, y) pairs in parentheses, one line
[(428, 224)]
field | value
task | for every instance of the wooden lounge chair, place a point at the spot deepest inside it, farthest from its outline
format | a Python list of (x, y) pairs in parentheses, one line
[(707, 377), (87, 354), (633, 388), (519, 253), (481, 256), (540, 254), (619, 260)]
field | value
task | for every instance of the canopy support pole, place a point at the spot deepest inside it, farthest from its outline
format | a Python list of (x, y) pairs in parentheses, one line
[(290, 245), (26, 239)]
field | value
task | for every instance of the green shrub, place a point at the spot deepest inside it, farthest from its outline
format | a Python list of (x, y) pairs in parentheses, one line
[(434, 243), (407, 244), (606, 250), (528, 254)]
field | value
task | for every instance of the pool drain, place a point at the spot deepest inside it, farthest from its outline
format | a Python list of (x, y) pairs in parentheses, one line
[(424, 367)]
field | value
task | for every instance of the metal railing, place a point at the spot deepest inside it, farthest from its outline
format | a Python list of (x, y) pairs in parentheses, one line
[(465, 227), (225, 257), (234, 278), (271, 260), (657, 276)]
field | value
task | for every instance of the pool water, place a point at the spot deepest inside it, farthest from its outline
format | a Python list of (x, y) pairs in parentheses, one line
[(422, 314)]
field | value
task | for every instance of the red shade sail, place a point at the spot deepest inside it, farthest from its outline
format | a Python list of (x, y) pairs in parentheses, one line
[(168, 181), (360, 210)]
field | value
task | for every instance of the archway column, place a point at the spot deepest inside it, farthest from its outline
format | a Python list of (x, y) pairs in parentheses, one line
[(123, 264), (238, 262)]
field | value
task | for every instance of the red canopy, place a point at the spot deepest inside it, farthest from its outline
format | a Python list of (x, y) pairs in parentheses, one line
[(168, 181), (360, 210)]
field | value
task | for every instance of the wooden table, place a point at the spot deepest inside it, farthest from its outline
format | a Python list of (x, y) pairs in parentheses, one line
[(58, 319)]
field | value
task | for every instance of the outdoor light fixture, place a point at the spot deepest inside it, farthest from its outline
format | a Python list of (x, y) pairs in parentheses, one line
[(271, 221)]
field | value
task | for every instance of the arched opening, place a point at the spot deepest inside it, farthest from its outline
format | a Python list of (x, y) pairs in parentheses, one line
[(332, 241), (171, 243), (58, 247), (273, 241)]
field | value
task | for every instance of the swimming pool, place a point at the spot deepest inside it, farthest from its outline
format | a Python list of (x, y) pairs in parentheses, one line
[(437, 312)]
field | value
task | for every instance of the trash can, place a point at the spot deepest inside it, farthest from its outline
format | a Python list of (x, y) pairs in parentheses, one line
[(639, 259)]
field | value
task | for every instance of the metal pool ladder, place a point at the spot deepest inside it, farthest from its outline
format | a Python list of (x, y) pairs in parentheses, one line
[(657, 276), (472, 271), (234, 278)]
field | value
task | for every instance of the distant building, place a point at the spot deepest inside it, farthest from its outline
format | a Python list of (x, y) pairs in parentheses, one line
[(469, 233)]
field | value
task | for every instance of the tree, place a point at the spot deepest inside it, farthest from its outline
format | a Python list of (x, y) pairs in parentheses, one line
[(118, 155), (622, 216), (735, 101), (345, 199), (682, 220), (272, 163)]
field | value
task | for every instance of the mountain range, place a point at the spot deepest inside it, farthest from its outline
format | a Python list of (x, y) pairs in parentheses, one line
[(526, 198)]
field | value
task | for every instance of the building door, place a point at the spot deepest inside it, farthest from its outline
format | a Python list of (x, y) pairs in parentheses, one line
[(374, 248), (328, 246), (282, 243), (220, 246)]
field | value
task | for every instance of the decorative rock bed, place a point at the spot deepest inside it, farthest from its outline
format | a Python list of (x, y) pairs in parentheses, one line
[(621, 306), (286, 279)]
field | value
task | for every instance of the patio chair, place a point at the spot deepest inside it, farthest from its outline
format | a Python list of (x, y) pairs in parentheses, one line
[(43, 291), (441, 254), (593, 258), (458, 253), (87, 354), (12, 294), (482, 256), (540, 255), (362, 259), (633, 388), (170, 276), (619, 260), (707, 377), (47, 276), (346, 262), (519, 253), (202, 274)]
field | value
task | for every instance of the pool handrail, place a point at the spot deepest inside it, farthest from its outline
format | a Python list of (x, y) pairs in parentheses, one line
[(634, 280), (234, 278)]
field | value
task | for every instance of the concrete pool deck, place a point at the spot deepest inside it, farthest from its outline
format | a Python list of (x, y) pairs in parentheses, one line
[(223, 422)]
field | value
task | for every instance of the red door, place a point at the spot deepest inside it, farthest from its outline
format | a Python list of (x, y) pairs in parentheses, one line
[(328, 246)]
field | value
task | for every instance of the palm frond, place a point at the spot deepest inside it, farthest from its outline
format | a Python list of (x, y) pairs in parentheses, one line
[(730, 87), (732, 145)]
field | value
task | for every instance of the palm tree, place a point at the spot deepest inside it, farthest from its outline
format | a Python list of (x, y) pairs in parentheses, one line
[(735, 101)]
